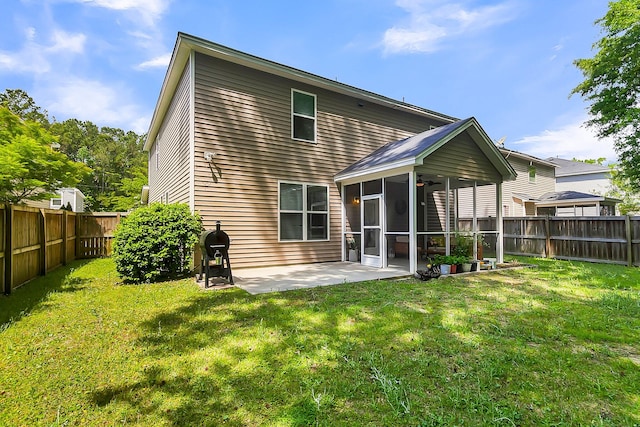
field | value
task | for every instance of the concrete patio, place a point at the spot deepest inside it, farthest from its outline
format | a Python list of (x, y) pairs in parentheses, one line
[(286, 278)]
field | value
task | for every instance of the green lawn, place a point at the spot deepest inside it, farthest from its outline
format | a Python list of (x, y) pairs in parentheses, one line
[(554, 345)]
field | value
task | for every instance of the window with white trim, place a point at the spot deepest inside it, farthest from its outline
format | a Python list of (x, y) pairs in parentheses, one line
[(304, 212), (532, 174), (303, 116)]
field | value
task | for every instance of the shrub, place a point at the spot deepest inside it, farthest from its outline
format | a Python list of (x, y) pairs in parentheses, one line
[(156, 242)]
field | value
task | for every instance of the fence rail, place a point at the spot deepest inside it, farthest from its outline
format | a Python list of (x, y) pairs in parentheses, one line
[(35, 241)]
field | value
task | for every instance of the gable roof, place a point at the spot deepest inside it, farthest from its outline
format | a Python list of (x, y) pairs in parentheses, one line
[(414, 149), (186, 44), (571, 167)]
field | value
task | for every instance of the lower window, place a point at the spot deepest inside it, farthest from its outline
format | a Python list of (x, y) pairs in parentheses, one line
[(303, 211)]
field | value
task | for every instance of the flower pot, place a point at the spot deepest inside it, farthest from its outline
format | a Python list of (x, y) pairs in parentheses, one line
[(466, 267), (445, 269), (353, 255), (453, 268)]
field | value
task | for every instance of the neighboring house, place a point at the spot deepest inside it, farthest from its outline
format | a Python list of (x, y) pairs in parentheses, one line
[(582, 177), (575, 203), (68, 196), (535, 178), (299, 168), (72, 196), (554, 187)]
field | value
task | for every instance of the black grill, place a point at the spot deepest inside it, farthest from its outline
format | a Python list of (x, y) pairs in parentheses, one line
[(214, 262)]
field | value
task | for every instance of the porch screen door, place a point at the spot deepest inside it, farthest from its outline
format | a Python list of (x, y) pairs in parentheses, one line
[(372, 231)]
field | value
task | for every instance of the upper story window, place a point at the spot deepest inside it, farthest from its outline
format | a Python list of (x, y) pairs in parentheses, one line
[(303, 116), (532, 174)]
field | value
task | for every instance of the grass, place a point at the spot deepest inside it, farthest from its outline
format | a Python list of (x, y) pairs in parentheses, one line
[(556, 345)]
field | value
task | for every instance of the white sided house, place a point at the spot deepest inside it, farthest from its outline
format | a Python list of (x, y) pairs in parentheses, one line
[(68, 196), (554, 187), (300, 169)]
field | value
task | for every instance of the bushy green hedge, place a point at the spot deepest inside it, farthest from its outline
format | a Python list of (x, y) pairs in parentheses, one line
[(156, 242)]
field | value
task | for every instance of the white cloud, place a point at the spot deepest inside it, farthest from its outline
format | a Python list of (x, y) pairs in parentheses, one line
[(157, 62), (431, 22), (67, 42), (149, 10), (567, 141), (94, 101), (36, 57)]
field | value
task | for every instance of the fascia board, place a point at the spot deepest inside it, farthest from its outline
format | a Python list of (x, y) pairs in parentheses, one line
[(375, 170)]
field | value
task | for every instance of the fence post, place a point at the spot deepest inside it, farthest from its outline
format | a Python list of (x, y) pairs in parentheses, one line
[(627, 223), (64, 237), (547, 234), (43, 240), (8, 249), (78, 244)]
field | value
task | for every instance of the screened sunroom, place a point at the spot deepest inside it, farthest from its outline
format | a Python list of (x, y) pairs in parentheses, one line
[(401, 202)]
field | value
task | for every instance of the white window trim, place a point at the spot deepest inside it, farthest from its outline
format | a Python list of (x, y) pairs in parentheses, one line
[(532, 179), (315, 118), (305, 213)]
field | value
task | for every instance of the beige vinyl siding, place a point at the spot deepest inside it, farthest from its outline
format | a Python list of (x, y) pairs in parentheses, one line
[(545, 183), (244, 116), (169, 170), (461, 158), (485, 201), (486, 196)]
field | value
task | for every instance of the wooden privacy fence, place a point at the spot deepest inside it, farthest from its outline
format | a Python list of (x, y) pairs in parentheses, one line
[(606, 239), (35, 241)]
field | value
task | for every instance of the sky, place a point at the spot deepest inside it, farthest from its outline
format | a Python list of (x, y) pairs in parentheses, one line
[(509, 63)]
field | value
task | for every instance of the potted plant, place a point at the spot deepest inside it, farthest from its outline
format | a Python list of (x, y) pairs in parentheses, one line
[(466, 265), (445, 262), (353, 249)]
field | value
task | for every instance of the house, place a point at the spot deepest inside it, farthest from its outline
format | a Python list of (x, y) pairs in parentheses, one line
[(575, 203), (553, 187), (64, 196), (68, 197), (534, 178), (299, 168), (583, 177)]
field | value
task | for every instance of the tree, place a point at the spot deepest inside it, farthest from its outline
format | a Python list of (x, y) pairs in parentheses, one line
[(622, 189), (115, 156), (30, 169), (119, 165), (23, 106), (612, 85)]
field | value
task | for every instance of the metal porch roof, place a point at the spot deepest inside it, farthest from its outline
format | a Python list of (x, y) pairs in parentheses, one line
[(414, 149)]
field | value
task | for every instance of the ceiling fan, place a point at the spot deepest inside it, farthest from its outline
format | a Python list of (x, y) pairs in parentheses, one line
[(421, 183)]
